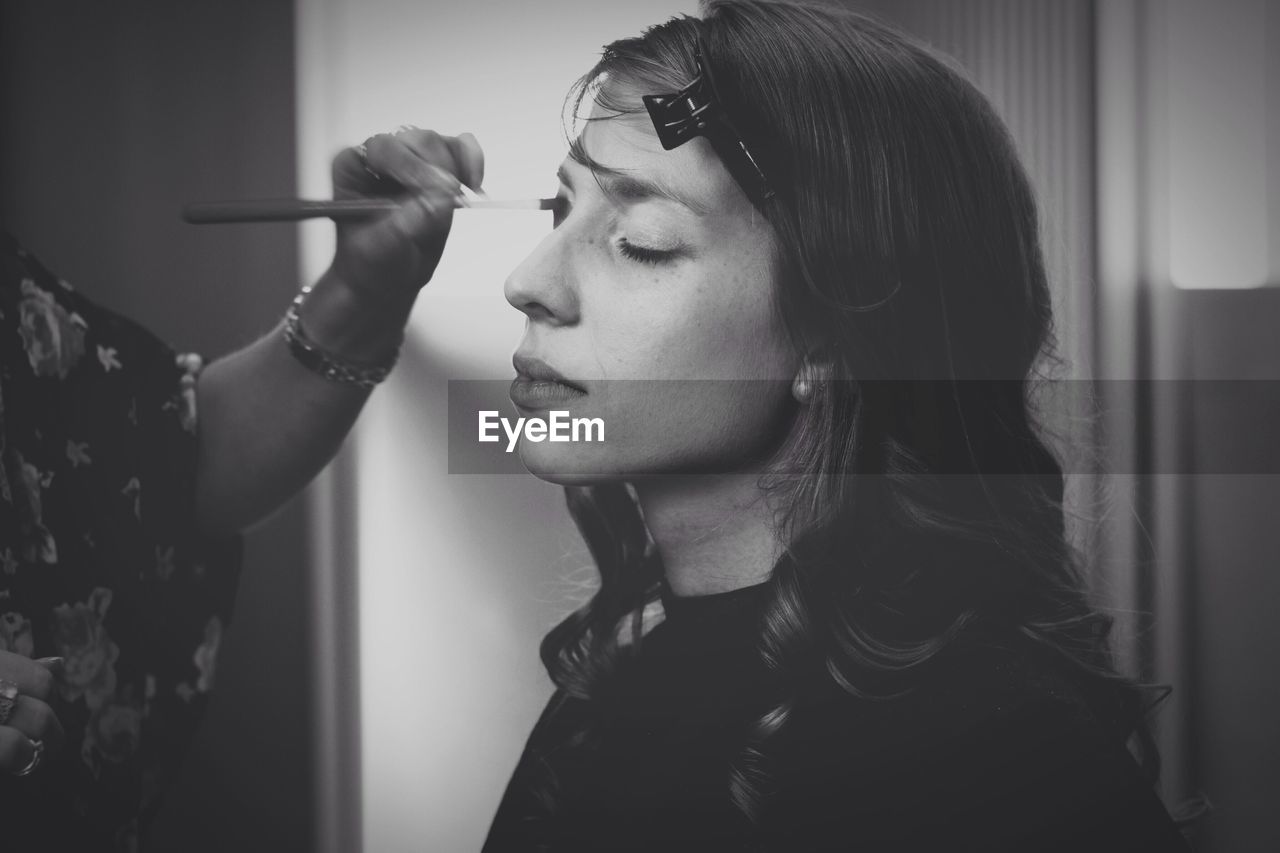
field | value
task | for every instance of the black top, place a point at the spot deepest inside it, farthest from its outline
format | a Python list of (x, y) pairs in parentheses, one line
[(996, 748)]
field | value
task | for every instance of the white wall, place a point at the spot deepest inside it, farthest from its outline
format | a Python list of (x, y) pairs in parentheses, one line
[(1223, 131), (458, 576)]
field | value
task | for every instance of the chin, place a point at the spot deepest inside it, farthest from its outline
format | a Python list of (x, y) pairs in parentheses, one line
[(567, 465)]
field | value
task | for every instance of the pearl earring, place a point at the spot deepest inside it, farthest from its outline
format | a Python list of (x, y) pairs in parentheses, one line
[(802, 390)]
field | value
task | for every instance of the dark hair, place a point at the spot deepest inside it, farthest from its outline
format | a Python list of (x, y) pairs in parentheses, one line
[(909, 252)]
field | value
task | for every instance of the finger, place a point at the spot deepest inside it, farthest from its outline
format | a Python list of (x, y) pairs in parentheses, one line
[(470, 157), (37, 721), (57, 666), (418, 160), (432, 148), (16, 750), (30, 677), (352, 177), (461, 154), (426, 218)]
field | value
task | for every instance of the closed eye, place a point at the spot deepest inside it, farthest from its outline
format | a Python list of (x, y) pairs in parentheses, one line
[(643, 255), (640, 254)]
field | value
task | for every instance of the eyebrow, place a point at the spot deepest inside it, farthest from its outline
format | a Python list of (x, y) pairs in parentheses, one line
[(620, 184)]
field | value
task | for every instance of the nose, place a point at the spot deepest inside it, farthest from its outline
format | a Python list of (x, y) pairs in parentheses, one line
[(542, 286)]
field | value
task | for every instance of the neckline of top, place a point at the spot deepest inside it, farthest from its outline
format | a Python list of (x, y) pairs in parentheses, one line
[(681, 607)]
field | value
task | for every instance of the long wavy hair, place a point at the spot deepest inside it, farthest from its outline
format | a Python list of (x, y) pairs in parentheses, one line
[(920, 500)]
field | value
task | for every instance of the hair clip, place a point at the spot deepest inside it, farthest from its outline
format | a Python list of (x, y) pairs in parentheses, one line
[(697, 110)]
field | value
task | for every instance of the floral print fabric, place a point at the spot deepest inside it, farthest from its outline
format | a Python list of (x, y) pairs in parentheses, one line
[(100, 562)]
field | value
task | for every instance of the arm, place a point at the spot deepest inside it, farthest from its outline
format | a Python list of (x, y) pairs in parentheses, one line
[(268, 424)]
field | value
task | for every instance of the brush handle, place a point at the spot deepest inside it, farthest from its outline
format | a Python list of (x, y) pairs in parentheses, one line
[(285, 210), (295, 209)]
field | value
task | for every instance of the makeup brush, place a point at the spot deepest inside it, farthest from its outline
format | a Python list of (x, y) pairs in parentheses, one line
[(295, 209)]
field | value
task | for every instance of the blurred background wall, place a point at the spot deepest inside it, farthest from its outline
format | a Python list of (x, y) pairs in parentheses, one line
[(1149, 127)]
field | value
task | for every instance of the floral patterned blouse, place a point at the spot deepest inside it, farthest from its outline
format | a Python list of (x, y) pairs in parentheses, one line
[(99, 559)]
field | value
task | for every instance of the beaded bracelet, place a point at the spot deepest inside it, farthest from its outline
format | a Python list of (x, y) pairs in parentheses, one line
[(328, 365)]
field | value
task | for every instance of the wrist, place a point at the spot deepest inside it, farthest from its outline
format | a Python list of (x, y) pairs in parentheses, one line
[(353, 324)]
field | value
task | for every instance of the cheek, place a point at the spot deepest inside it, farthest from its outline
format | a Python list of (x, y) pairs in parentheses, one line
[(714, 323), (708, 425), (740, 335), (669, 427), (692, 372)]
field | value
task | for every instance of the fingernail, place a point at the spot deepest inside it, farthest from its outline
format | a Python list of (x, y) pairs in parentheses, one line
[(52, 663)]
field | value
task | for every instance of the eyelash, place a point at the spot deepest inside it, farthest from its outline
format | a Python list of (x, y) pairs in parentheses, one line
[(641, 254), (629, 250)]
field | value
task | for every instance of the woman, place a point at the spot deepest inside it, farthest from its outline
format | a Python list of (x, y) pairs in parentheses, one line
[(805, 296)]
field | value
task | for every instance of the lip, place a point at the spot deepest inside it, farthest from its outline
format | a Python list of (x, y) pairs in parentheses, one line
[(528, 367), (538, 384)]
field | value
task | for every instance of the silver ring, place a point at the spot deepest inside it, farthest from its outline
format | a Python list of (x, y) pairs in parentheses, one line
[(8, 699), (36, 755)]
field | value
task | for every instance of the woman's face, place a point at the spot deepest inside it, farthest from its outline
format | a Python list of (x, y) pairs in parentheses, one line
[(653, 294)]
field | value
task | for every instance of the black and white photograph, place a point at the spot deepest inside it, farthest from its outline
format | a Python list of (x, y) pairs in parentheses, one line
[(594, 426)]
